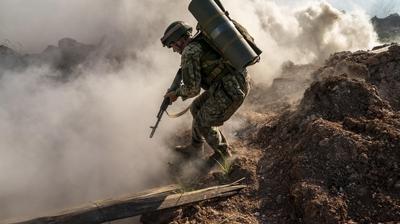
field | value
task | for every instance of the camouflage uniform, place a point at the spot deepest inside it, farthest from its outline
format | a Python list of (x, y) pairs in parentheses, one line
[(225, 91)]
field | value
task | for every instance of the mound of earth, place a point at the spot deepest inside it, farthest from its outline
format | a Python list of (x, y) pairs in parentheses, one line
[(380, 67), (336, 159)]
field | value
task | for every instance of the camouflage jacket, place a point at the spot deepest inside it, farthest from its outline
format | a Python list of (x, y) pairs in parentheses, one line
[(201, 66)]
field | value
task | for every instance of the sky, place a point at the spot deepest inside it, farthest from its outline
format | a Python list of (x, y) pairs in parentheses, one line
[(380, 8)]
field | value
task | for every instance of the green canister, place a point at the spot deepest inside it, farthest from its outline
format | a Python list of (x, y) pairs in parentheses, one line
[(216, 25)]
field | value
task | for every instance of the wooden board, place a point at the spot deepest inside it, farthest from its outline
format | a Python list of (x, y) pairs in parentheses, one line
[(137, 204)]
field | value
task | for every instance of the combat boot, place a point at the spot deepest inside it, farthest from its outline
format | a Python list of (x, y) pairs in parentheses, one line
[(221, 157), (190, 151)]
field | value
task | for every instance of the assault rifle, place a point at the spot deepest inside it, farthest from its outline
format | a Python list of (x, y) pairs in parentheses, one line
[(166, 102), (164, 105)]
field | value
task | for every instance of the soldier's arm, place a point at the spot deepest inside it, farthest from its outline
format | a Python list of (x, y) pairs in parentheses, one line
[(177, 81), (191, 75)]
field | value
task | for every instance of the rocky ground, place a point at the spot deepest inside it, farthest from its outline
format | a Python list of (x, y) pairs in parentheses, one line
[(334, 157)]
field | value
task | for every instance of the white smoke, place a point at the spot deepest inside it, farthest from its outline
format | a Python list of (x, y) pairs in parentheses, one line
[(64, 144), (305, 34)]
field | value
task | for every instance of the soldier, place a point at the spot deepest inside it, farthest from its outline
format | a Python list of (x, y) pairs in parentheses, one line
[(225, 89)]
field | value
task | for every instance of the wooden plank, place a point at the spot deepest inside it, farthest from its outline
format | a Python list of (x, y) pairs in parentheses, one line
[(164, 190), (114, 209)]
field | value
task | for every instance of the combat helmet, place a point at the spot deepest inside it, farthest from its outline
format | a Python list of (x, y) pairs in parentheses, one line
[(174, 32)]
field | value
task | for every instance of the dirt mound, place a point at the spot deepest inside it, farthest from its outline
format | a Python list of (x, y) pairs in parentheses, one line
[(338, 97), (380, 67), (336, 159)]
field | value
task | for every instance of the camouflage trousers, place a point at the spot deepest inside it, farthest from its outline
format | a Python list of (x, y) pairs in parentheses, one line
[(215, 106)]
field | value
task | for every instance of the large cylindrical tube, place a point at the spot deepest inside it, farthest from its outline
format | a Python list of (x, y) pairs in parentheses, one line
[(223, 33)]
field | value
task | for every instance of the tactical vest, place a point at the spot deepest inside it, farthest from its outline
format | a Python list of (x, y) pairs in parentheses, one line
[(213, 66)]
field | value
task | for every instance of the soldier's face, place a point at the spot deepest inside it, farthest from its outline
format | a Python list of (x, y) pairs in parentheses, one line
[(175, 47), (179, 45)]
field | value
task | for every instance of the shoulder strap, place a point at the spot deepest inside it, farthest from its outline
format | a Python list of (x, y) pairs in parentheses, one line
[(247, 36)]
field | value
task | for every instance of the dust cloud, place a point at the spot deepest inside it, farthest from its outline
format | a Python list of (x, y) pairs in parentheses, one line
[(63, 144), (304, 34)]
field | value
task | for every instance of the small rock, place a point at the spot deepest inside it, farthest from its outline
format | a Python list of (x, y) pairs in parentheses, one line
[(384, 59), (353, 177), (214, 212), (257, 214), (397, 185), (373, 61), (279, 199), (364, 157), (390, 182), (324, 142), (362, 191)]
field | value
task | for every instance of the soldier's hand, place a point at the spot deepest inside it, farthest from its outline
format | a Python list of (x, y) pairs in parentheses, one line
[(172, 96)]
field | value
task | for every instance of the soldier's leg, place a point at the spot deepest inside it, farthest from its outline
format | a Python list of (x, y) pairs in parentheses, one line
[(196, 146), (210, 117), (217, 108), (197, 135), (215, 139)]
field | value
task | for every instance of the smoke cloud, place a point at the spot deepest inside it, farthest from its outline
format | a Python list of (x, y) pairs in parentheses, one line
[(63, 144), (304, 34), (66, 144)]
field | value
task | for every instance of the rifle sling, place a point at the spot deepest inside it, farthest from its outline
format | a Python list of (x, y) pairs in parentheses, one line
[(180, 114)]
